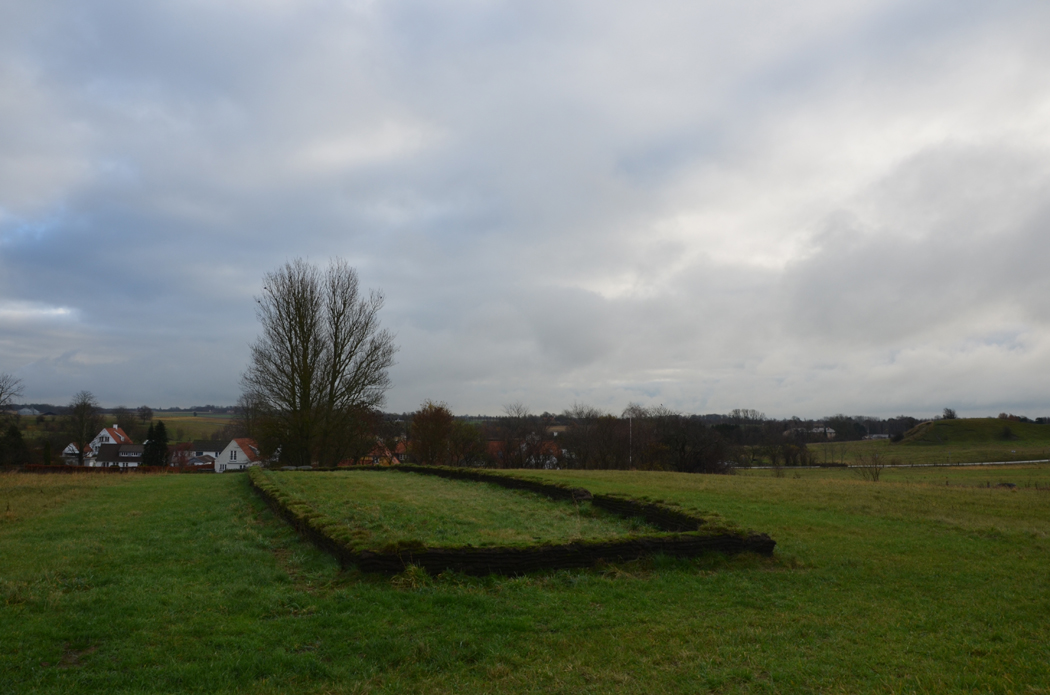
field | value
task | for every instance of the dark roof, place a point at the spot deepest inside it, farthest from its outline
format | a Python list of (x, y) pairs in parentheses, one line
[(108, 453), (205, 445), (119, 453)]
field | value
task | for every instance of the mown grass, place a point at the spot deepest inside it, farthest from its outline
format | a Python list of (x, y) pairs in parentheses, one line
[(189, 584), (375, 509)]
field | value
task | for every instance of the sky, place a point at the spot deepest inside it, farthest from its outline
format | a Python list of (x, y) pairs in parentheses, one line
[(803, 208)]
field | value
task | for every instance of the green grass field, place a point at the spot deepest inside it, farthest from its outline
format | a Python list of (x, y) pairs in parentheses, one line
[(949, 441), (174, 583), (373, 509), (1021, 475), (186, 428), (182, 427)]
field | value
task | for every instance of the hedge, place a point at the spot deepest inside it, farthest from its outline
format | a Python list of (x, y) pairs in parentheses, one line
[(682, 536)]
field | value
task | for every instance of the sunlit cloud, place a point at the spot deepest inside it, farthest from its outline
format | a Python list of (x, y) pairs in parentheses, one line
[(15, 311)]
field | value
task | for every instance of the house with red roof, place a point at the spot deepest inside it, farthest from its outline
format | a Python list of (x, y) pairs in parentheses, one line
[(108, 435), (381, 455), (238, 455)]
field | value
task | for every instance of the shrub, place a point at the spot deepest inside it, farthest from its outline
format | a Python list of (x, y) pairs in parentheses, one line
[(869, 466)]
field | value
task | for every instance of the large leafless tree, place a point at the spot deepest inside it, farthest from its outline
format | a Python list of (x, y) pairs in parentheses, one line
[(10, 389), (321, 360), (83, 421)]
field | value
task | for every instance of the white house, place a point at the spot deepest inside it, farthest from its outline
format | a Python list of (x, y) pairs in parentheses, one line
[(826, 432), (70, 454), (194, 453), (206, 448), (108, 435), (238, 455)]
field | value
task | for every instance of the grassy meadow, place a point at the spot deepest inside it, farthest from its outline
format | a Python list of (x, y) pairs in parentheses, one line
[(185, 427), (181, 427), (178, 583), (941, 442), (373, 509)]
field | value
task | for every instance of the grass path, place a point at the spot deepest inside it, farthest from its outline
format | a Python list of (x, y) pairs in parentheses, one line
[(188, 584)]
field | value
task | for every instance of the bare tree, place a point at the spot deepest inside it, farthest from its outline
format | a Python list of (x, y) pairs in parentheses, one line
[(128, 421), (145, 414), (430, 436), (515, 428), (581, 438), (869, 466), (10, 389), (322, 358), (741, 416), (83, 422), (467, 444)]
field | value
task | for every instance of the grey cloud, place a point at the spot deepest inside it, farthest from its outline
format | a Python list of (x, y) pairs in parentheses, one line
[(800, 209), (960, 233)]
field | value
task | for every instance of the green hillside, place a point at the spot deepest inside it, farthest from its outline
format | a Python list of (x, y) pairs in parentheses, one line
[(977, 431)]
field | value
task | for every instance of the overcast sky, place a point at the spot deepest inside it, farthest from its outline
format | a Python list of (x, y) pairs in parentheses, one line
[(803, 208)]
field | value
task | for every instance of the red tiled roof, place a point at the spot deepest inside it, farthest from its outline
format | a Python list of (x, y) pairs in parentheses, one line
[(250, 448), (118, 435)]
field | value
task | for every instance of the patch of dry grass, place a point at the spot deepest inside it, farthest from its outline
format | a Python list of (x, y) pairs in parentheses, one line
[(28, 495)]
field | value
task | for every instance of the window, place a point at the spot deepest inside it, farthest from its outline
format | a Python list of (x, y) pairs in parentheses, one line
[(233, 455)]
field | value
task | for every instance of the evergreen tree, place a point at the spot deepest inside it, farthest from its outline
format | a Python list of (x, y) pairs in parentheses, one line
[(82, 422), (155, 451), (13, 449), (160, 432)]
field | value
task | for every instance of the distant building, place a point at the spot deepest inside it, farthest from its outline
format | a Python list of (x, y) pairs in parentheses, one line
[(185, 454), (820, 432), (70, 454), (108, 435), (238, 455), (119, 456), (381, 455)]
